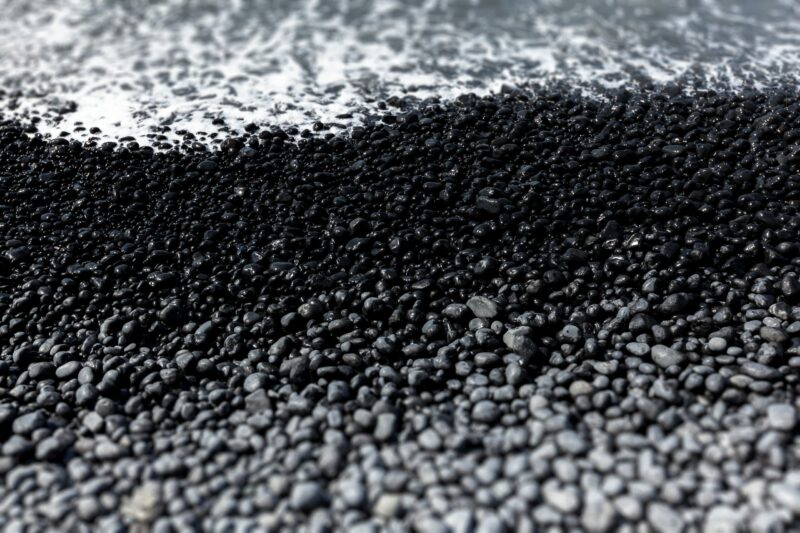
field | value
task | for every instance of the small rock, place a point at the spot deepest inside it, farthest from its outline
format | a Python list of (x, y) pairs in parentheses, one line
[(388, 505), (518, 341), (759, 371), (665, 357), (664, 519), (482, 307), (429, 440), (565, 499), (639, 349), (571, 442), (28, 423), (782, 416), (773, 334), (255, 381), (723, 519), (385, 426), (598, 513), (570, 334), (460, 521), (491, 523), (307, 495), (786, 495), (717, 344), (580, 387), (485, 411), (338, 391)]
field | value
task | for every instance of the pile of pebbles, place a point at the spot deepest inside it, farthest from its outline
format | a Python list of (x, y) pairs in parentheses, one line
[(509, 313)]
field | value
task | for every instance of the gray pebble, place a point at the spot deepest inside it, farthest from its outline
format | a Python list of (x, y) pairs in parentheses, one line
[(782, 416), (485, 411), (307, 495), (482, 307), (518, 341), (664, 519), (385, 426), (665, 357), (638, 349)]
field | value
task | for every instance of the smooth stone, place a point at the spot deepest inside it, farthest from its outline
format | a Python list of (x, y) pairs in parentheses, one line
[(639, 349), (782, 416), (485, 411), (385, 426), (717, 344), (307, 495), (664, 519), (482, 307), (665, 357), (518, 341)]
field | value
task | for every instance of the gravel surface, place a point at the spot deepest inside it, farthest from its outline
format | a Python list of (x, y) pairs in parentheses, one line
[(510, 313)]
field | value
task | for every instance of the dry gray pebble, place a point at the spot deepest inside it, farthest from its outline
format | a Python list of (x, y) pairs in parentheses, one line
[(782, 416), (306, 496), (482, 307), (665, 357), (664, 519)]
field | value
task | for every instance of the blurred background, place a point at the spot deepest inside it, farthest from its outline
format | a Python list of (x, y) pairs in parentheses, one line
[(135, 67)]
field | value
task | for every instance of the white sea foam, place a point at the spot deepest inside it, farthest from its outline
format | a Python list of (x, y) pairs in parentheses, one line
[(131, 67)]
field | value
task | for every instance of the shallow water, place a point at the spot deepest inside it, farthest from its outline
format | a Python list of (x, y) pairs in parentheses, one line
[(133, 67)]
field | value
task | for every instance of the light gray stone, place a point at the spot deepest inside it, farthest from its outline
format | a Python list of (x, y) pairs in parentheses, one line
[(482, 307)]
